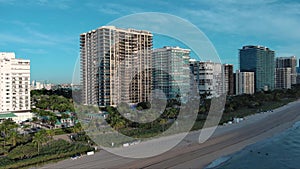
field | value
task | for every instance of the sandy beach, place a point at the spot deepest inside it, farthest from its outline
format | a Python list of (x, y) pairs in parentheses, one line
[(189, 153)]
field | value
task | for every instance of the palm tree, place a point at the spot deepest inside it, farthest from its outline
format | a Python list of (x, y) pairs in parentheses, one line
[(52, 120), (13, 137), (5, 128), (38, 139), (77, 128), (50, 133), (119, 124)]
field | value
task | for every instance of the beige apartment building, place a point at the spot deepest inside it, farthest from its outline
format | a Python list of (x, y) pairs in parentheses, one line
[(115, 66), (209, 77), (244, 82), (283, 78), (287, 62)]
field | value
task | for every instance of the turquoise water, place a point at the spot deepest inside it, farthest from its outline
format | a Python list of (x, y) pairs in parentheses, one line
[(279, 152)]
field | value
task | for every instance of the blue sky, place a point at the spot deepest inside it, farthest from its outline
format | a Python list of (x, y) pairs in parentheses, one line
[(47, 31)]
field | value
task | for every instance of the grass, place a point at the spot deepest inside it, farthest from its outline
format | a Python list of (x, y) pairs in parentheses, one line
[(245, 111), (53, 151)]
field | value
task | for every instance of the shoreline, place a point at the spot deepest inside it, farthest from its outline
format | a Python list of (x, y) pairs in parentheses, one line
[(223, 159), (252, 120), (226, 140), (273, 133)]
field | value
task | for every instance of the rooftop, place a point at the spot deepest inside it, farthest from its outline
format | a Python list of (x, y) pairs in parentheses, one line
[(255, 47), (7, 115)]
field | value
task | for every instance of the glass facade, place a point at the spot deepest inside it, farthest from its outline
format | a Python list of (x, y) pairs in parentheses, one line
[(171, 71), (259, 60)]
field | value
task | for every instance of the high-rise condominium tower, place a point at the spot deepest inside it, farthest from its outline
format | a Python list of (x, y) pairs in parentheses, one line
[(171, 72), (229, 79), (209, 76), (283, 78), (288, 62), (14, 84), (298, 68), (115, 66), (259, 60), (244, 82)]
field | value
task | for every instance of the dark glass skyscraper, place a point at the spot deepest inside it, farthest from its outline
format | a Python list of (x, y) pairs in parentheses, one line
[(298, 68), (259, 60), (229, 79)]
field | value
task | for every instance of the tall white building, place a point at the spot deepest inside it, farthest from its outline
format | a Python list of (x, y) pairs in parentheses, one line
[(14, 84), (209, 76), (244, 82)]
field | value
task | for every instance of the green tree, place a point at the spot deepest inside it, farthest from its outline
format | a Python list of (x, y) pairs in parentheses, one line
[(119, 124), (14, 137), (6, 128), (38, 139), (77, 128), (143, 105), (34, 119), (50, 133), (52, 120), (163, 122), (64, 116)]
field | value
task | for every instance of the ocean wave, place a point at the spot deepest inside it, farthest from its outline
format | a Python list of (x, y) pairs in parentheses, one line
[(296, 125), (218, 162), (280, 151)]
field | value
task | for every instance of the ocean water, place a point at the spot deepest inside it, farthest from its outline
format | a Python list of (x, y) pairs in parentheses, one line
[(279, 152)]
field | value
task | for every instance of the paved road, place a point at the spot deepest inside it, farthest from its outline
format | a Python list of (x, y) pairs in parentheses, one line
[(189, 154)]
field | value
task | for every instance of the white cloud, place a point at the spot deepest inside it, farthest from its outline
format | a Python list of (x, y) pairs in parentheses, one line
[(59, 4), (259, 19), (12, 38), (8, 2), (114, 8), (33, 51), (28, 34), (287, 50)]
